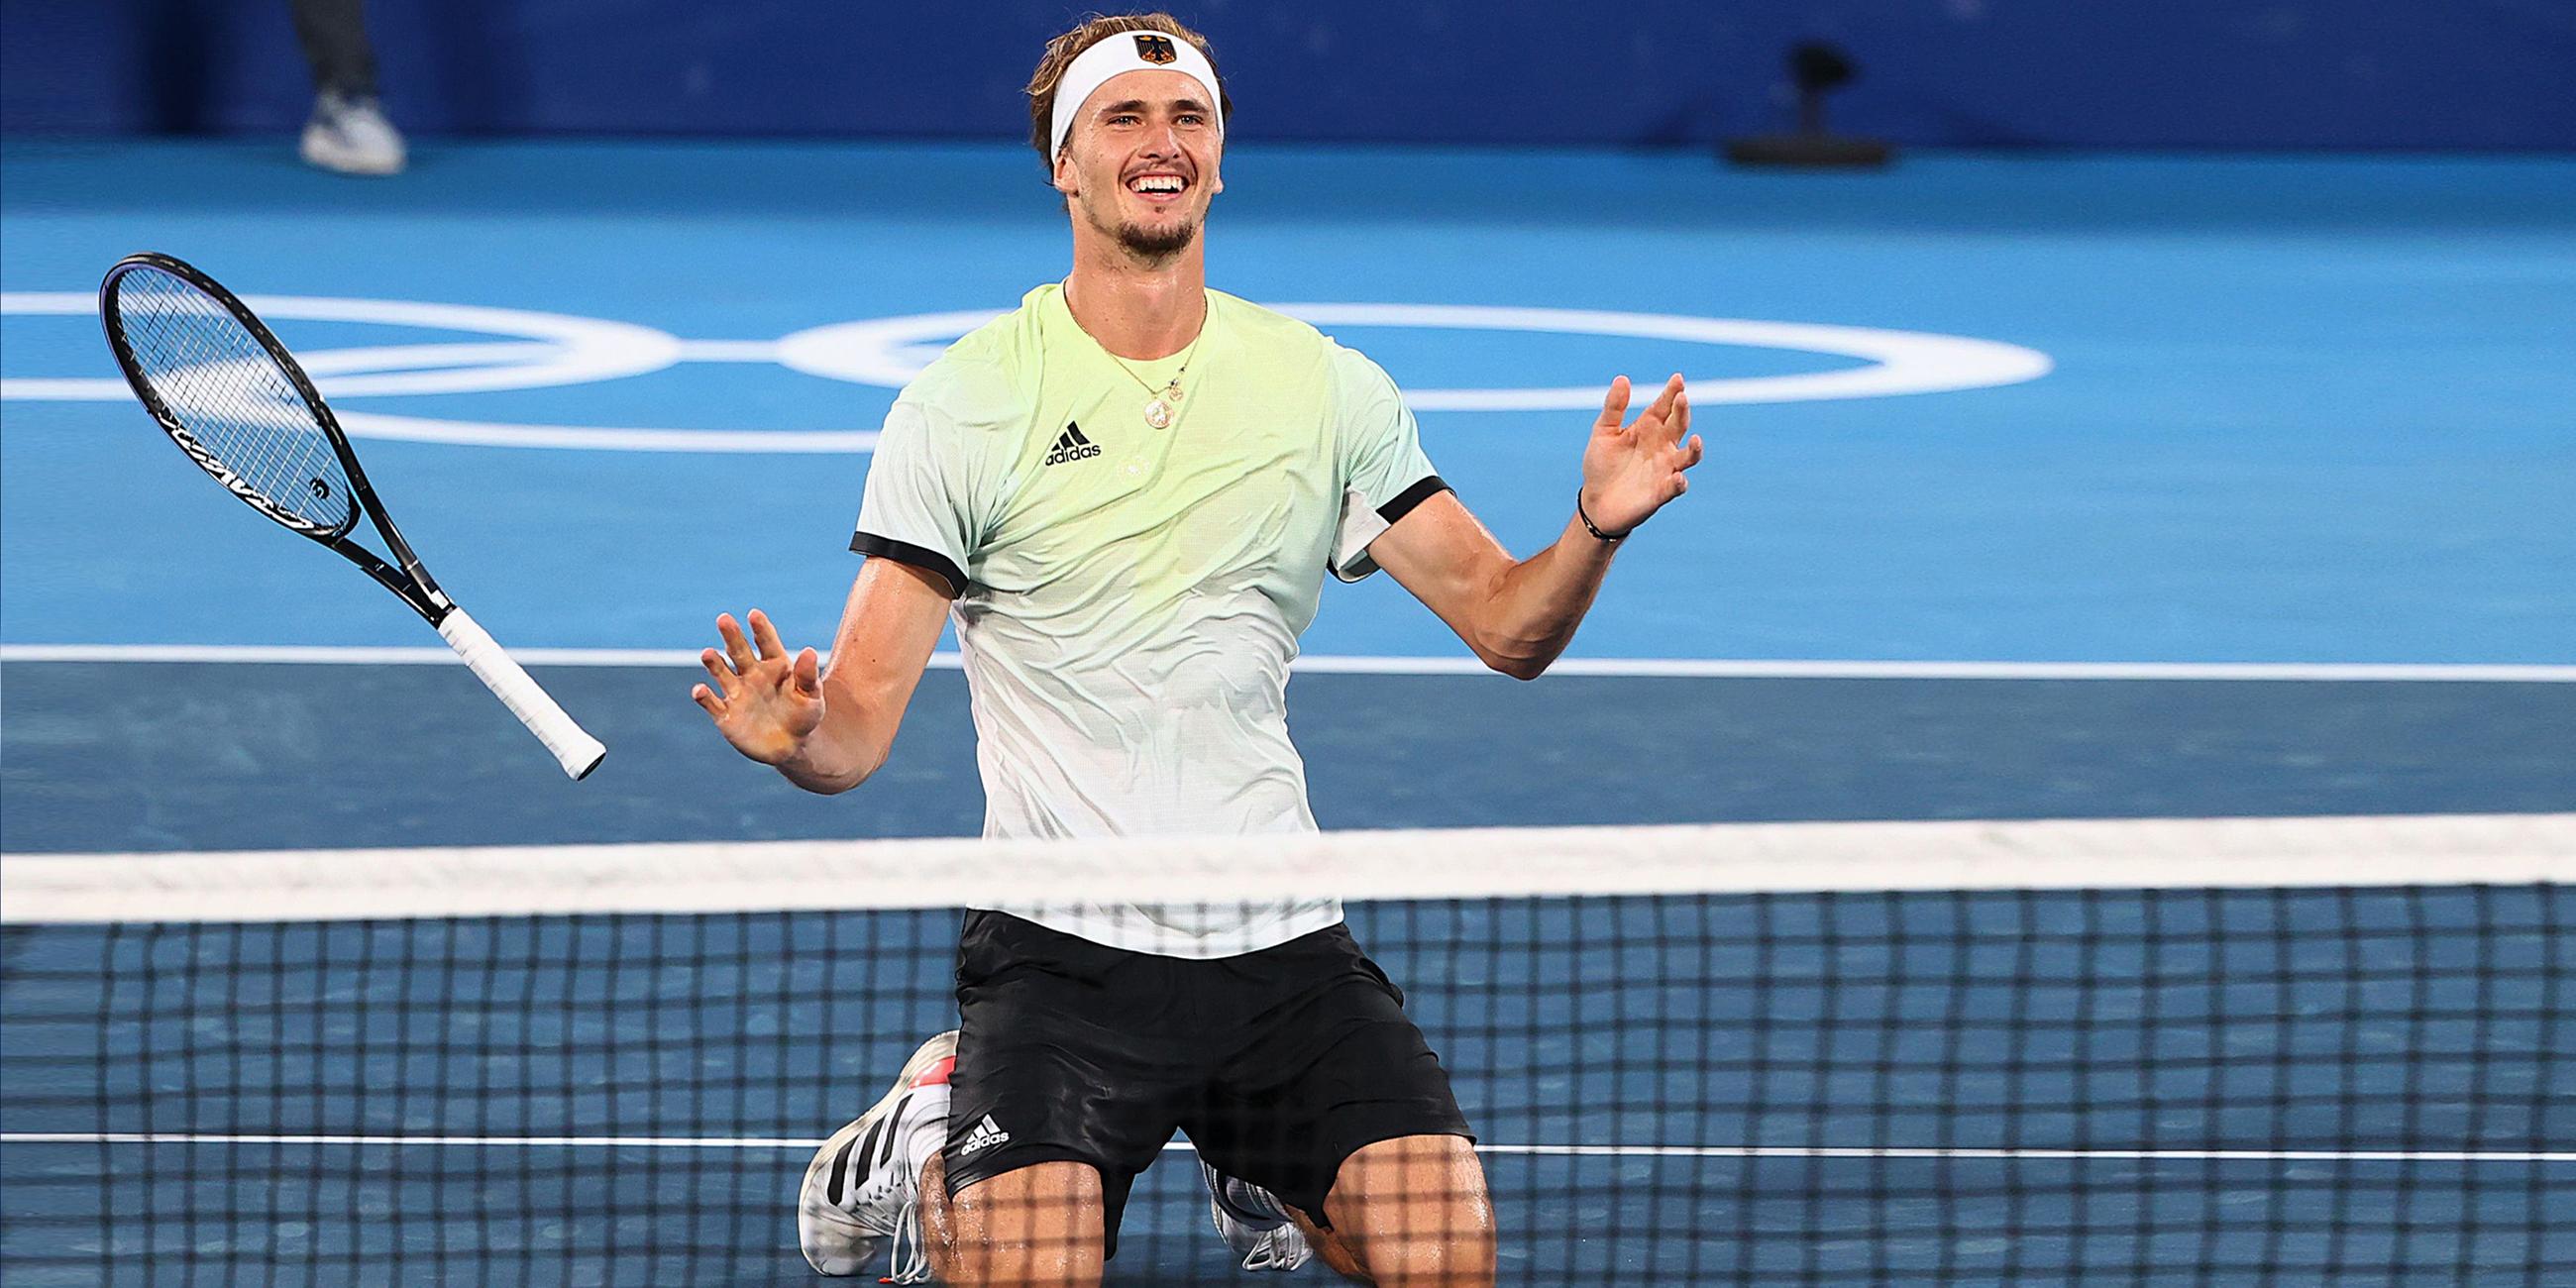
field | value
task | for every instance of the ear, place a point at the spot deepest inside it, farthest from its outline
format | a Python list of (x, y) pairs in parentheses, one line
[(1066, 179)]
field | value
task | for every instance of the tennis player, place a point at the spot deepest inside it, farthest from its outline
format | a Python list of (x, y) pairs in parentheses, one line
[(1126, 494)]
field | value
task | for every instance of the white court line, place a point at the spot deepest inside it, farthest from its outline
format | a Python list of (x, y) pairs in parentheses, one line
[(1333, 664), (1183, 1147)]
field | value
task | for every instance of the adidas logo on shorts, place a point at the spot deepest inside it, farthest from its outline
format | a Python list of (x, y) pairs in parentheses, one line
[(1071, 446), (987, 1133)]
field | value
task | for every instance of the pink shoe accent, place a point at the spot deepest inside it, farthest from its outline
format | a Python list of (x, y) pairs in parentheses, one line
[(937, 1074)]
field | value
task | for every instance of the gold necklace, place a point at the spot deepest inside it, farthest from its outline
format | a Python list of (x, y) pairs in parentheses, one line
[(1159, 404)]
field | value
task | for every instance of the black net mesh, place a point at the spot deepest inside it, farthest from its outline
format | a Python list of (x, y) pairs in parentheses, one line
[(2111, 1081)]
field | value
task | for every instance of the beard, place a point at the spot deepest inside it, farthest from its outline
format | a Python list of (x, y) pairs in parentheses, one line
[(1149, 243), (1157, 244)]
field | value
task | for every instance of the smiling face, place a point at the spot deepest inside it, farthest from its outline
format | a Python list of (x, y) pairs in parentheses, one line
[(1140, 164)]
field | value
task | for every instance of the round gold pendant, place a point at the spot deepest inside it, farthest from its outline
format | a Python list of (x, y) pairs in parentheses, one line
[(1158, 415)]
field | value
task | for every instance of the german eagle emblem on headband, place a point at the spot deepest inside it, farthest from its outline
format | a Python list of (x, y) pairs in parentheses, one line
[(1156, 49)]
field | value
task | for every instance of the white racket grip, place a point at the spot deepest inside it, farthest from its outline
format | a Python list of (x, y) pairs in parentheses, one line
[(576, 751)]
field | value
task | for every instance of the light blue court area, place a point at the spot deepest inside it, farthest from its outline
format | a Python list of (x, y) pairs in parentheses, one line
[(2292, 410)]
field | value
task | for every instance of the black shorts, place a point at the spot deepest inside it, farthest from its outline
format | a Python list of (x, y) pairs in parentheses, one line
[(1278, 1063)]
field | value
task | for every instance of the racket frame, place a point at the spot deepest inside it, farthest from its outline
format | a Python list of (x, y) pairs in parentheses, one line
[(573, 748), (410, 580)]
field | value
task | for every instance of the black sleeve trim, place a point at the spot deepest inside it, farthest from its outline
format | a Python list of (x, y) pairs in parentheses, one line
[(1415, 495), (904, 552)]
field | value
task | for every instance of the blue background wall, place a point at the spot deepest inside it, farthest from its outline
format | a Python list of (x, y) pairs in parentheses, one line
[(2173, 73)]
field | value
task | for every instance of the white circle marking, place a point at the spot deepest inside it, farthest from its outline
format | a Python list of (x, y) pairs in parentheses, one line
[(551, 349), (566, 350), (884, 352)]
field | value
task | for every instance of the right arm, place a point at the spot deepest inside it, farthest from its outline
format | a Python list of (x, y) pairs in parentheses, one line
[(827, 730)]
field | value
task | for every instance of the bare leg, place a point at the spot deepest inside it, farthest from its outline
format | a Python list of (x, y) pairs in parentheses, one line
[(1409, 1213), (1335, 1254), (1037, 1227)]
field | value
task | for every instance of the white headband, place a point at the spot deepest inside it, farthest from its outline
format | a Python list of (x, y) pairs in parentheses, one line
[(1124, 52)]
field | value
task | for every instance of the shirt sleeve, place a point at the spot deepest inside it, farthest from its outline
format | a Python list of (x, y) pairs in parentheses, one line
[(1385, 473), (919, 507)]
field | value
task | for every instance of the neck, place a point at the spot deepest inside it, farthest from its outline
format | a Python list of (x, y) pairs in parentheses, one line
[(1137, 309)]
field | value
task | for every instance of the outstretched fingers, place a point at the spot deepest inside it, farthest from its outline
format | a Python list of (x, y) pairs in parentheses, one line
[(1614, 406), (733, 667), (706, 697), (737, 647), (1662, 411), (728, 666), (764, 633), (719, 669)]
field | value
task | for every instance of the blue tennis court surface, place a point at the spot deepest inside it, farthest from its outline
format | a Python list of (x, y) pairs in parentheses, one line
[(2057, 411), (2298, 410)]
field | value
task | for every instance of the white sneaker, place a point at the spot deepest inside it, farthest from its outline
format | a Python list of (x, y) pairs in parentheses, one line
[(352, 136), (1255, 1223), (858, 1191)]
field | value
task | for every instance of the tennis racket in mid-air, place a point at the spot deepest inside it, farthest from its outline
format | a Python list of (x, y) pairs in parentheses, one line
[(234, 399)]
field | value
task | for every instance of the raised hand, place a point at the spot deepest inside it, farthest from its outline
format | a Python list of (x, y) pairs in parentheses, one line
[(764, 702), (1630, 470)]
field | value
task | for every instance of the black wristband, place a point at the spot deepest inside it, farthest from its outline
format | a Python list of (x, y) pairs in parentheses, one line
[(1592, 528)]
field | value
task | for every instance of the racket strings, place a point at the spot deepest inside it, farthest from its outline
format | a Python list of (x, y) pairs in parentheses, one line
[(237, 411)]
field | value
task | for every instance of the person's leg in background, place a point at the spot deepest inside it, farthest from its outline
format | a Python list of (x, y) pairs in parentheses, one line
[(348, 131)]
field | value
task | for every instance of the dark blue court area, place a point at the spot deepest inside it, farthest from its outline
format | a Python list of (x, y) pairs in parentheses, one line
[(2205, 458)]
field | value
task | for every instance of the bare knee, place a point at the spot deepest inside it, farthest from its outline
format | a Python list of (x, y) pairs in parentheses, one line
[(1037, 1227), (1410, 1213)]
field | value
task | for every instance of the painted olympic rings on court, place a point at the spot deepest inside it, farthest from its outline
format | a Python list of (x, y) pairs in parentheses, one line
[(532, 350)]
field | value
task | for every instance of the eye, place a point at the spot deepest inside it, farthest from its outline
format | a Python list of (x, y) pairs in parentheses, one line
[(1192, 118), (1123, 118)]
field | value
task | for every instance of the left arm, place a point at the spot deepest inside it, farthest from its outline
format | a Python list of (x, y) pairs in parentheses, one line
[(1518, 615)]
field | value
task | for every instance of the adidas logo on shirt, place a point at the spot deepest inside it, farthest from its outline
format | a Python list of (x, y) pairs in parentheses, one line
[(987, 1133), (1071, 446)]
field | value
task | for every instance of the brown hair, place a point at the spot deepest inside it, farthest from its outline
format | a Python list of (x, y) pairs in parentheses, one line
[(1061, 51)]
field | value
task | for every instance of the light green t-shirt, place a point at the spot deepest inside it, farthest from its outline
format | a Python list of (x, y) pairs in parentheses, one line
[(1129, 598)]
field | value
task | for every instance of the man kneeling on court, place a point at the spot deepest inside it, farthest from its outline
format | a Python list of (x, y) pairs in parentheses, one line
[(1126, 493)]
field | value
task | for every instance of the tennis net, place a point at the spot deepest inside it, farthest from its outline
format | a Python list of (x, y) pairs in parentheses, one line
[(2257, 1051)]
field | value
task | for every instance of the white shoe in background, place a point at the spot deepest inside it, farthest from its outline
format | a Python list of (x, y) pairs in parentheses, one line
[(352, 136)]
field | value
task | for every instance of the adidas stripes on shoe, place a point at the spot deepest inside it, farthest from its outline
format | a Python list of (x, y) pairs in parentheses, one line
[(863, 1188)]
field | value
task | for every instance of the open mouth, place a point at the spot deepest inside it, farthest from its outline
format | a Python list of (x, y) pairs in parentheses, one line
[(1158, 186)]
